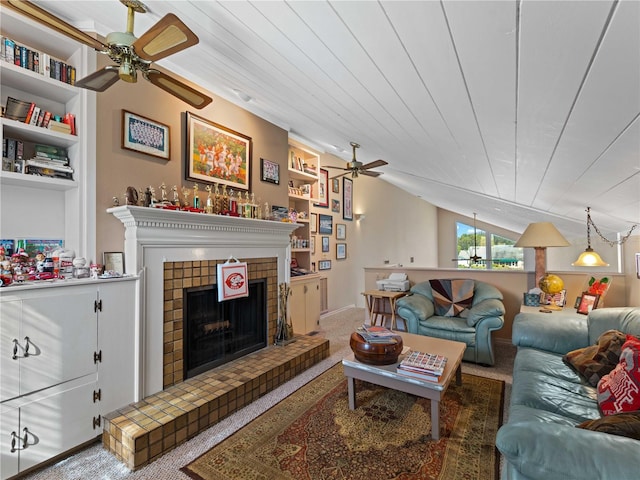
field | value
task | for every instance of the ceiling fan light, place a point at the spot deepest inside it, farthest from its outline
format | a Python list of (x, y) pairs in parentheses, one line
[(127, 71), (589, 258)]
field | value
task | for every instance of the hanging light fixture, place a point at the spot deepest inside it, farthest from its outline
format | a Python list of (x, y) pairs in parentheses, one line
[(590, 258)]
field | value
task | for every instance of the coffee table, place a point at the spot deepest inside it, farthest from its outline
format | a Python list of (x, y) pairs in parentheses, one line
[(386, 376)]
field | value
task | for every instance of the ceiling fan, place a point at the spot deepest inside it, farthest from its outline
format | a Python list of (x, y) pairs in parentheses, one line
[(357, 168), (131, 54)]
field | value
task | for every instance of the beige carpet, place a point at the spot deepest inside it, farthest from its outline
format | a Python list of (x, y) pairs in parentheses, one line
[(97, 464)]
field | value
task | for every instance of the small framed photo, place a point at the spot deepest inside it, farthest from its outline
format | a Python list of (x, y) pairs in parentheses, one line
[(322, 195), (269, 171), (335, 185), (335, 205), (312, 244), (325, 225), (341, 231), (325, 244), (324, 265), (588, 302), (113, 262), (341, 251), (313, 223), (143, 135), (347, 198)]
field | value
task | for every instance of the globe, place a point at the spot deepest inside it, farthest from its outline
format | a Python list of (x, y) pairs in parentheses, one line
[(551, 284)]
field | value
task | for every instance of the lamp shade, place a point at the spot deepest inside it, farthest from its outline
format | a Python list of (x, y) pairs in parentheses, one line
[(589, 258), (542, 234)]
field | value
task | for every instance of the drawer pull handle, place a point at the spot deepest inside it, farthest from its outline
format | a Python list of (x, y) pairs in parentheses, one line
[(15, 350), (26, 346)]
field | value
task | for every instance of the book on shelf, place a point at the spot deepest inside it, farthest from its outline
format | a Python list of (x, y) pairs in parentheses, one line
[(48, 172), (50, 164), (34, 116), (36, 61), (429, 363), (376, 334), (50, 152), (59, 126)]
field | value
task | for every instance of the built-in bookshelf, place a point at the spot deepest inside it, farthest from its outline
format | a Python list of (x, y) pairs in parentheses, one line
[(45, 205)]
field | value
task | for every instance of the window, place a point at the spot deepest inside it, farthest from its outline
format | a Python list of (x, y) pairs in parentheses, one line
[(473, 252)]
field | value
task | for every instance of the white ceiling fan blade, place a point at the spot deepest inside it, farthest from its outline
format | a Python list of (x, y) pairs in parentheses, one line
[(100, 80), (168, 36), (178, 89), (42, 16)]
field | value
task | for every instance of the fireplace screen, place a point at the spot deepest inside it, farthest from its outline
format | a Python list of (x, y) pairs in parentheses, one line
[(218, 332)]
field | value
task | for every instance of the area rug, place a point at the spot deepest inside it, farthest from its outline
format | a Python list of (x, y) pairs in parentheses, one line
[(313, 435)]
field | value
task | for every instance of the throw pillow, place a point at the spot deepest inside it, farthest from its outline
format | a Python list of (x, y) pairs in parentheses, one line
[(619, 391), (451, 297), (625, 424), (595, 361)]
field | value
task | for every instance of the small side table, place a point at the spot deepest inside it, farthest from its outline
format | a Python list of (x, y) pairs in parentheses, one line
[(376, 300)]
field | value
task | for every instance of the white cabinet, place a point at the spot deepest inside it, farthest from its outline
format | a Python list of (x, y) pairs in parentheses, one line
[(56, 208), (304, 303), (67, 360)]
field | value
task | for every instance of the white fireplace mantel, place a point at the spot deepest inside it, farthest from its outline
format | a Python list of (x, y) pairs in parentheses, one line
[(154, 236)]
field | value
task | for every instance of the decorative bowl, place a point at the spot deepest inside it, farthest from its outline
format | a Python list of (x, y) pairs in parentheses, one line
[(375, 353)]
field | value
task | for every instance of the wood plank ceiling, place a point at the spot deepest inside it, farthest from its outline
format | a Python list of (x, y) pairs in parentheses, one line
[(521, 111)]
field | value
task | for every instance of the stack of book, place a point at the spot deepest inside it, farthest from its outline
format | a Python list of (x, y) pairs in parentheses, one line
[(425, 366), (375, 334), (50, 161), (36, 61)]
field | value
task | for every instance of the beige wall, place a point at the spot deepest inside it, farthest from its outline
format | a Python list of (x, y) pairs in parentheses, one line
[(118, 168)]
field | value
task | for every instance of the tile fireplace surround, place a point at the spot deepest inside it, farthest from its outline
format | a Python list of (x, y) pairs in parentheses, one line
[(172, 250)]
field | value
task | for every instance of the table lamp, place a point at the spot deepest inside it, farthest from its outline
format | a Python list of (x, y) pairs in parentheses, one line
[(539, 236)]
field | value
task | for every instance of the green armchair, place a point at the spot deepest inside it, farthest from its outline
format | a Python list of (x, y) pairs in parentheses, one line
[(472, 326)]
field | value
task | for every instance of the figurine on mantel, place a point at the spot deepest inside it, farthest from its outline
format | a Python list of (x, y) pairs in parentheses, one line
[(176, 197)]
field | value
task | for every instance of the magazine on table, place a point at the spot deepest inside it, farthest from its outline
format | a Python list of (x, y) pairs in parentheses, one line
[(418, 375), (422, 362), (377, 334)]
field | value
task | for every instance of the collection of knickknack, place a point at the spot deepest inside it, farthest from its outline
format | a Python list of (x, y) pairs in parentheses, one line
[(220, 200)]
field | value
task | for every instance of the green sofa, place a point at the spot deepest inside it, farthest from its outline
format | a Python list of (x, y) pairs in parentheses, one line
[(473, 327), (548, 400)]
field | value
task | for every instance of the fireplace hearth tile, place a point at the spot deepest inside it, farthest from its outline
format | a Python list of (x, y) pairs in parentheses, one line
[(140, 433)]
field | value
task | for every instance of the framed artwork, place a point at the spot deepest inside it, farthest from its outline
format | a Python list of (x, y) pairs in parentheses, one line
[(313, 223), (323, 196), (325, 244), (113, 262), (341, 231), (269, 171), (143, 135), (216, 154), (325, 224), (312, 244), (347, 198), (324, 265), (335, 185), (335, 205), (588, 302), (341, 251), (33, 246)]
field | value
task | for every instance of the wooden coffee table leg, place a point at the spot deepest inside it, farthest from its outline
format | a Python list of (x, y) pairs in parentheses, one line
[(351, 385), (435, 419)]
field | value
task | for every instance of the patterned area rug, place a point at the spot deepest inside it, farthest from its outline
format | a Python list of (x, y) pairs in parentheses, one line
[(313, 435)]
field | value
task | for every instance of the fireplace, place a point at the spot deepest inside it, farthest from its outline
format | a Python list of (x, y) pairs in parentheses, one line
[(218, 332), (173, 250)]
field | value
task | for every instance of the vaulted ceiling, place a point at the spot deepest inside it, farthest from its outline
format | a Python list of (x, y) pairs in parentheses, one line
[(521, 111)]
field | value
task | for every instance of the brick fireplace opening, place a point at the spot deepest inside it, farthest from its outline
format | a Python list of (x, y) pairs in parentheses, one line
[(179, 276)]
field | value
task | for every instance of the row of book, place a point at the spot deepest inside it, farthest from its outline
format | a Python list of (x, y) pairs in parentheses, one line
[(421, 365), (36, 61), (31, 114)]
